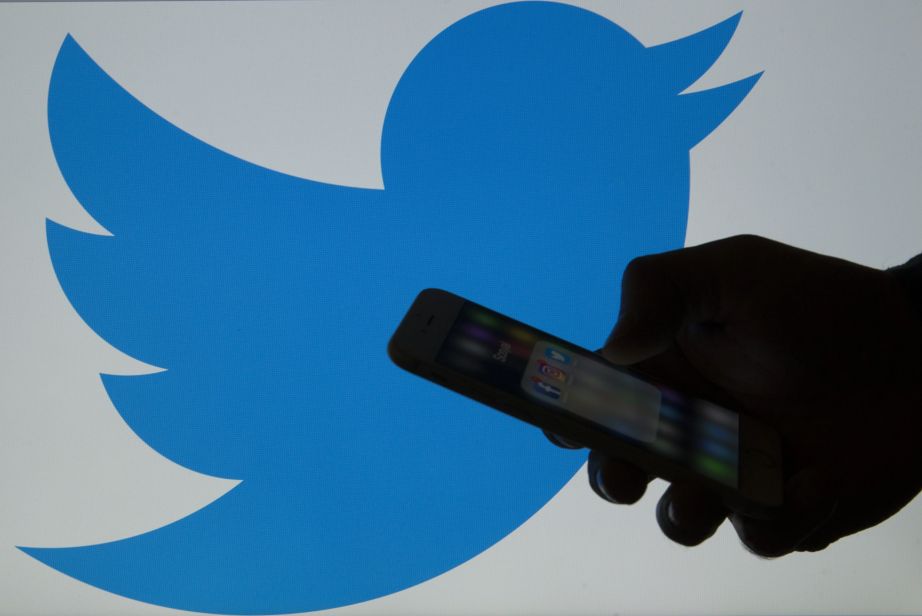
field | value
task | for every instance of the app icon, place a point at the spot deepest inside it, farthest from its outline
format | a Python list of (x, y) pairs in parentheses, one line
[(522, 335), (546, 388), (715, 468), (557, 355), (551, 372), (483, 318)]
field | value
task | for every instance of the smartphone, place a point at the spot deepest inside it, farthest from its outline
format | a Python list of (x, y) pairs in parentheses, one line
[(575, 393)]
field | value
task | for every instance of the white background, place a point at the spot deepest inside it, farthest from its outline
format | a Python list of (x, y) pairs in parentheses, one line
[(826, 153)]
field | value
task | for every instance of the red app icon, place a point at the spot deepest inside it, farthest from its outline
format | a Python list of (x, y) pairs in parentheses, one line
[(551, 372)]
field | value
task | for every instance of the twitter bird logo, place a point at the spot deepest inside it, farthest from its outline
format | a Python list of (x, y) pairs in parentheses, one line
[(528, 152)]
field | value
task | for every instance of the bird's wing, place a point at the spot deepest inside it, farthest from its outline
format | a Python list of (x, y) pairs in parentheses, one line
[(210, 262)]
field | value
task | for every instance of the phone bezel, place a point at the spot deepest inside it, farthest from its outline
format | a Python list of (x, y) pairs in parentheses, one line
[(423, 330)]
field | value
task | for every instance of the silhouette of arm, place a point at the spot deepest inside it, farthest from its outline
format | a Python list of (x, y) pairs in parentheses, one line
[(827, 351), (910, 276)]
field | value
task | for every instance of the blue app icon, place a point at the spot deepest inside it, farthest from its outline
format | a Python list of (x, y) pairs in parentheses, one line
[(546, 389), (557, 355)]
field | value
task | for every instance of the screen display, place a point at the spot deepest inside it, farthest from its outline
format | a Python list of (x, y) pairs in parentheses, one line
[(525, 362)]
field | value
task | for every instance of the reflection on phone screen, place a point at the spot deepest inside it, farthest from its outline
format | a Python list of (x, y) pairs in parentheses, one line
[(522, 361), (592, 390)]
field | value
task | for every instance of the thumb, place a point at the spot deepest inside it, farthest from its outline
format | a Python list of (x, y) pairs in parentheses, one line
[(652, 311)]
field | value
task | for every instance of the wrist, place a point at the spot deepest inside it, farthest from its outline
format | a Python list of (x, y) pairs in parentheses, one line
[(909, 279)]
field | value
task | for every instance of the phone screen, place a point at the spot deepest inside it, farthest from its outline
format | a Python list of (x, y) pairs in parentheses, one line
[(527, 363)]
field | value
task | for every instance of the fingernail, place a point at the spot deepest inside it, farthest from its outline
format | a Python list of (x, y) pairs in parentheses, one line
[(670, 513), (737, 521), (600, 486)]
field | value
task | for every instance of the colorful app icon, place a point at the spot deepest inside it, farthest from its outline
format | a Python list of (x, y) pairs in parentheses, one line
[(557, 355), (551, 372), (522, 335), (483, 318), (717, 469), (546, 388)]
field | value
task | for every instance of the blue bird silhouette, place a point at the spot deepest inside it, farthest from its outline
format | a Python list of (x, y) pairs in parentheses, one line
[(528, 152)]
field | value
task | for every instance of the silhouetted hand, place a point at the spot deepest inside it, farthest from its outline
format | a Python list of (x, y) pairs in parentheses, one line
[(827, 351)]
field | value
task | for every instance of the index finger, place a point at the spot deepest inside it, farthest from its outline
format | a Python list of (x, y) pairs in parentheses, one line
[(662, 292)]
